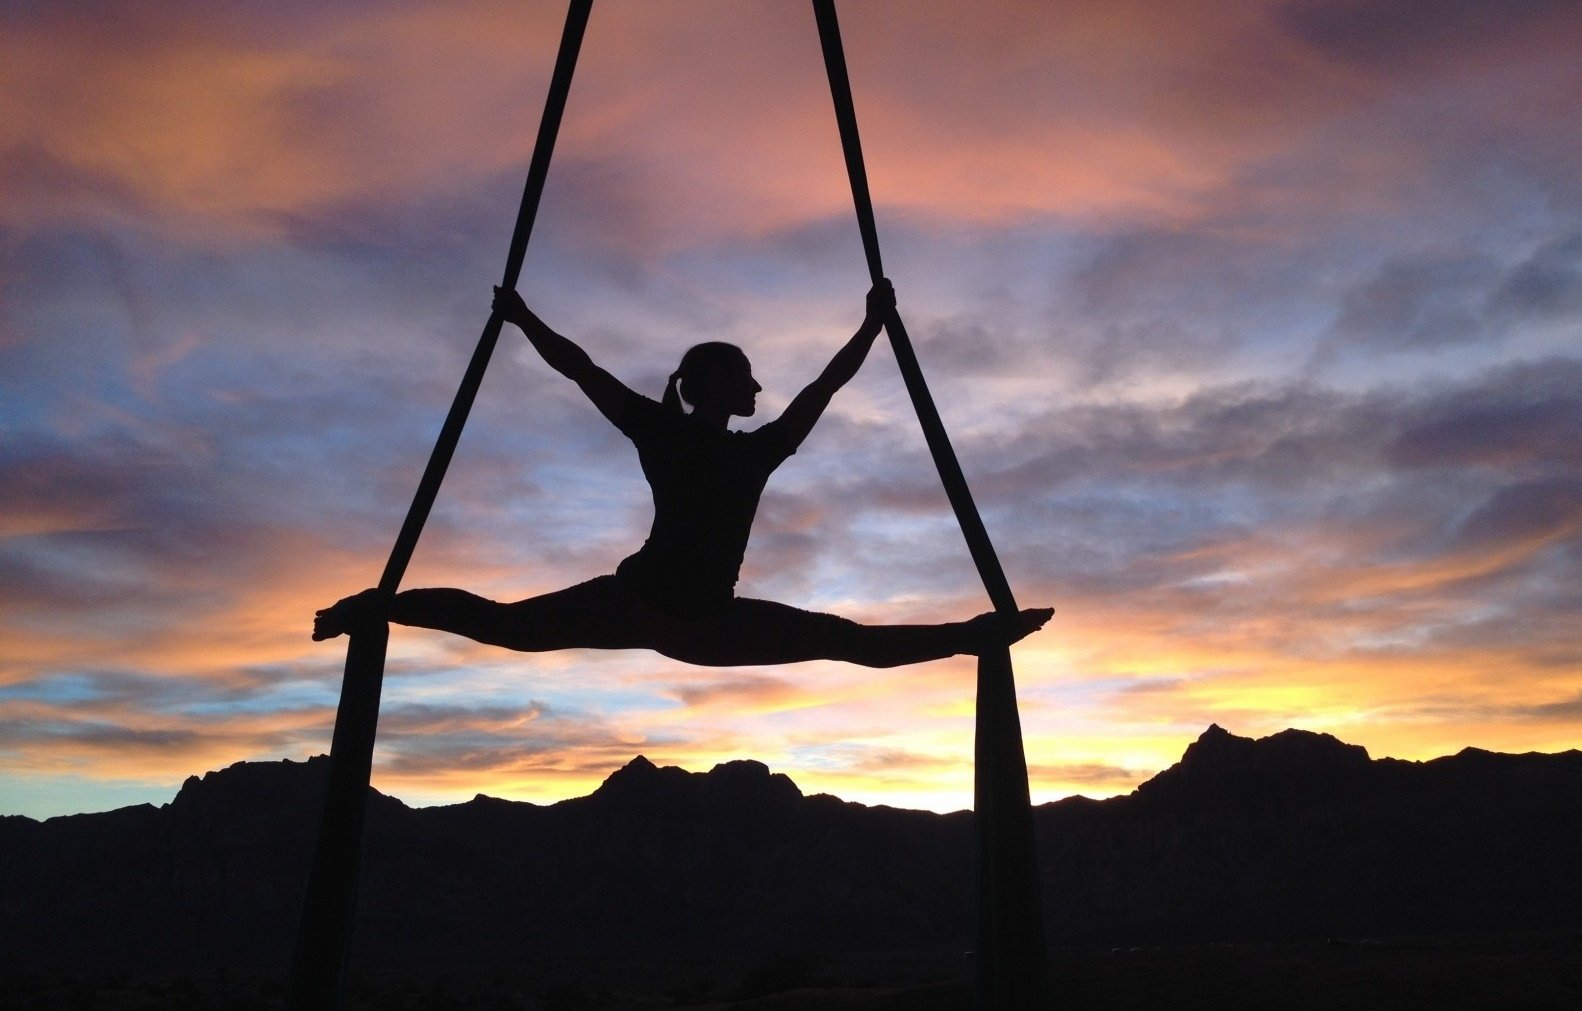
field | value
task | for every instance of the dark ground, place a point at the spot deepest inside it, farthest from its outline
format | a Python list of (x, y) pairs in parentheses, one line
[(1510, 971)]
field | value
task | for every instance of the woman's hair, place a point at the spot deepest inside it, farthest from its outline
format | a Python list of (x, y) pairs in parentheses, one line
[(698, 365)]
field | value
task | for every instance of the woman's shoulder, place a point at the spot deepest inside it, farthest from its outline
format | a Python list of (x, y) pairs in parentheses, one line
[(770, 439), (640, 414)]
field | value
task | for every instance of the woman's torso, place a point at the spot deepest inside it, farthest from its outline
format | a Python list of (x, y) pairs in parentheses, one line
[(706, 486)]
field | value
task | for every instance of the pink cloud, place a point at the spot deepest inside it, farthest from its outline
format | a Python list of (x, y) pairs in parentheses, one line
[(720, 119)]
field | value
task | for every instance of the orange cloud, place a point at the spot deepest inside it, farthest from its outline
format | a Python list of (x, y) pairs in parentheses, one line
[(231, 120), (712, 122)]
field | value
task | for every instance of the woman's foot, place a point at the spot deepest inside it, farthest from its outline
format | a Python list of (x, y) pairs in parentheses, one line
[(348, 614), (994, 630)]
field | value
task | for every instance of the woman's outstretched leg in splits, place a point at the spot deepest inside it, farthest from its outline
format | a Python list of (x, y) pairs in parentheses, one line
[(602, 614), (756, 632), (592, 615)]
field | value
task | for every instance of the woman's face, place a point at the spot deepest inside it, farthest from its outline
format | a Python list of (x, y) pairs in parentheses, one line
[(730, 386), (736, 388)]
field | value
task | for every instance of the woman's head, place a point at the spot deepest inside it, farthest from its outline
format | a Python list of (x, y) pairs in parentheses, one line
[(715, 377)]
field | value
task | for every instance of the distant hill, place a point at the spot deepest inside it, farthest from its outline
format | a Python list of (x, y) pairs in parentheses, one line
[(1293, 835)]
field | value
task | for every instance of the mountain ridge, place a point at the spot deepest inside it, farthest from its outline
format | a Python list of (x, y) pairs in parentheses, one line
[(1292, 835), (1208, 755)]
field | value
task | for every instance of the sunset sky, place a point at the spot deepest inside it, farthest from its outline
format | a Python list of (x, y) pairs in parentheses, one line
[(1257, 327)]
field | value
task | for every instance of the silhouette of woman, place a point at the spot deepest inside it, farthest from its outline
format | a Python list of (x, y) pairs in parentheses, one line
[(676, 595)]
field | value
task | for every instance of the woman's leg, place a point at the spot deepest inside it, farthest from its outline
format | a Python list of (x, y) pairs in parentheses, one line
[(597, 614), (755, 632)]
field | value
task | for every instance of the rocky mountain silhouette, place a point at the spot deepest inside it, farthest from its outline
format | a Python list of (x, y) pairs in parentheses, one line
[(1290, 836)]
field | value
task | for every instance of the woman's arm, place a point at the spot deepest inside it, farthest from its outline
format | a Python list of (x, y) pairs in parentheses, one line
[(608, 393), (808, 406)]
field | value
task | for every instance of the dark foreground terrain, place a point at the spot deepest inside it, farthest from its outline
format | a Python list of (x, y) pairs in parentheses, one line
[(1508, 971), (1214, 884)]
